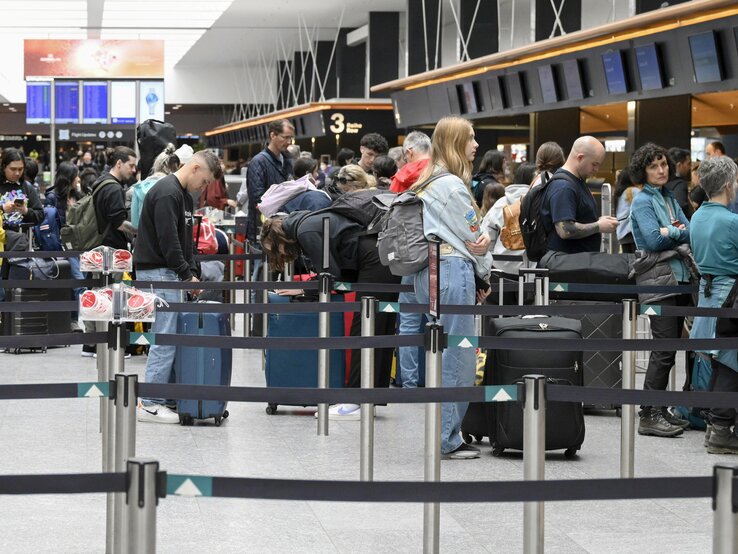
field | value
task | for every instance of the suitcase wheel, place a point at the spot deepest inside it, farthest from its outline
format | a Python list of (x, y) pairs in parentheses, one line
[(466, 437), (570, 453), (185, 419), (497, 451), (218, 420), (225, 414), (271, 409)]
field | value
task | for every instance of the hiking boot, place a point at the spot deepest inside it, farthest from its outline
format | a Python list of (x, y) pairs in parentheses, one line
[(722, 441), (708, 432), (653, 423), (155, 413), (463, 452), (675, 418)]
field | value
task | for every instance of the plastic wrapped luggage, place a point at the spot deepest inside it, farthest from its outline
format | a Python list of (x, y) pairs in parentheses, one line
[(590, 268), (299, 368), (195, 365)]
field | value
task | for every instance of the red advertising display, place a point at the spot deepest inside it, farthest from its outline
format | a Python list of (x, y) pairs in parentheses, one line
[(83, 59)]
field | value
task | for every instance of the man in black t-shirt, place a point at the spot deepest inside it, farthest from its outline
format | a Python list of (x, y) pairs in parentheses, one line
[(110, 201), (568, 209)]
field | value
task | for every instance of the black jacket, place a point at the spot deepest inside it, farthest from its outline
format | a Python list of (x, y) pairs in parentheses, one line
[(35, 213), (264, 171), (110, 210), (165, 230), (680, 188)]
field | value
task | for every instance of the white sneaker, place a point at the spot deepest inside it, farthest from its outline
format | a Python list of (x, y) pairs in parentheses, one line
[(345, 412), (156, 413)]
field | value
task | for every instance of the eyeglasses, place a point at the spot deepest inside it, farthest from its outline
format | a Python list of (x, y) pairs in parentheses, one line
[(287, 137), (344, 180)]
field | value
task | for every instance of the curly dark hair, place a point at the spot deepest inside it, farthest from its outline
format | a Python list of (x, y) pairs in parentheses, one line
[(376, 142), (279, 248), (645, 156)]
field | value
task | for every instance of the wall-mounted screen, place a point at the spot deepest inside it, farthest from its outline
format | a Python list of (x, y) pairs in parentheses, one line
[(573, 80), (615, 72), (38, 102), (548, 84), (151, 100), (123, 102), (95, 102), (469, 98), (649, 67), (705, 58), (66, 101), (517, 92), (498, 93)]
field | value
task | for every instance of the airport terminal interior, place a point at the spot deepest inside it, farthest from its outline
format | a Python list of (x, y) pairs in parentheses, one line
[(256, 115)]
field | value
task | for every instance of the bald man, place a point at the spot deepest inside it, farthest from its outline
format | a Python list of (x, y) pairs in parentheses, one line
[(568, 207)]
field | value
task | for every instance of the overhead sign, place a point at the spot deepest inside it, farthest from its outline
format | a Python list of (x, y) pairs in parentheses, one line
[(94, 58)]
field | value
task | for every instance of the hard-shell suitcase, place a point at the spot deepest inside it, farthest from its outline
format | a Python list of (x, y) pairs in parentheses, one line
[(61, 322), (564, 420), (299, 368), (196, 365), (26, 323)]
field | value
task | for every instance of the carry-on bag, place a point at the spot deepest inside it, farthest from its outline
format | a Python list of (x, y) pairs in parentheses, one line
[(195, 365)]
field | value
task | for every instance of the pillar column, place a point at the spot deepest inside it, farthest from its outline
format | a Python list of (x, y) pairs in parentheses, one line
[(423, 35), (351, 64), (664, 121), (554, 15), (326, 69), (302, 76), (384, 49), (561, 126), (285, 98), (483, 36)]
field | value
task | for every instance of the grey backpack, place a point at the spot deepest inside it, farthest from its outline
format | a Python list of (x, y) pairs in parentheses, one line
[(401, 242)]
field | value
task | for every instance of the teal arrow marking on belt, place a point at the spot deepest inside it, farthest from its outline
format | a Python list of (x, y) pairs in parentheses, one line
[(389, 307), (506, 393), (143, 339), (650, 310), (340, 285), (93, 390), (127, 282), (462, 341), (558, 287), (189, 485)]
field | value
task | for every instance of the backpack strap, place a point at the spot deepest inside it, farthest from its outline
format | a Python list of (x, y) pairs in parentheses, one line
[(422, 186), (94, 206)]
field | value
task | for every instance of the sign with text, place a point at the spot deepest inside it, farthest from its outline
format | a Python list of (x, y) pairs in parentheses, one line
[(95, 59), (434, 278)]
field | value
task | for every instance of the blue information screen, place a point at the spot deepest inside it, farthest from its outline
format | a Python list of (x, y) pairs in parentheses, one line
[(95, 102), (615, 72), (649, 68), (705, 59), (38, 102), (67, 101)]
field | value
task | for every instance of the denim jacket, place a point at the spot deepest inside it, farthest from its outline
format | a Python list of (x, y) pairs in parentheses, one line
[(648, 214), (449, 214)]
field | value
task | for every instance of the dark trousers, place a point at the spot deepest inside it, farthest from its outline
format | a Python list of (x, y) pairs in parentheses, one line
[(664, 327), (724, 379), (372, 271)]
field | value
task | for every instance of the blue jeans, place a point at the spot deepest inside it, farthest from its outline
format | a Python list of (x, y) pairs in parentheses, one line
[(410, 324), (75, 273), (160, 364), (458, 364)]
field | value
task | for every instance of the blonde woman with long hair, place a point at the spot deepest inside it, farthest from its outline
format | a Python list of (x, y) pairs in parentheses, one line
[(450, 214)]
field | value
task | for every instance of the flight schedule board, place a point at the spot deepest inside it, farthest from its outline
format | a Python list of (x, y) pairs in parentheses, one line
[(38, 102), (67, 101), (95, 102)]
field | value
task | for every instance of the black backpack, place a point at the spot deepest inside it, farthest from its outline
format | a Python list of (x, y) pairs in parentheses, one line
[(153, 136), (532, 228)]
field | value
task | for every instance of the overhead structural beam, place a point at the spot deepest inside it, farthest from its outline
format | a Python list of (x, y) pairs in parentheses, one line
[(358, 36)]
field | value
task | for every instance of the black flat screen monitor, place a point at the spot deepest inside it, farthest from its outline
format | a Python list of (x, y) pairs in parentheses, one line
[(469, 98), (94, 102), (615, 72), (38, 102), (705, 58), (67, 101), (517, 92), (548, 84), (573, 79), (497, 93), (649, 67)]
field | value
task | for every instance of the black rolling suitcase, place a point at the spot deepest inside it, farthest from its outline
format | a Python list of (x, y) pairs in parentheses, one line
[(60, 322)]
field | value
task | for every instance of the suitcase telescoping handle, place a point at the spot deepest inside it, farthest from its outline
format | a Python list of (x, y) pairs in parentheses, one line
[(497, 273), (198, 218), (540, 276)]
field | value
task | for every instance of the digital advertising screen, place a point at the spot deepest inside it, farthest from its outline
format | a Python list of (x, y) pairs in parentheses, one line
[(614, 72), (548, 84), (123, 102), (573, 80), (95, 102), (38, 102), (705, 58), (151, 100), (649, 67), (66, 101)]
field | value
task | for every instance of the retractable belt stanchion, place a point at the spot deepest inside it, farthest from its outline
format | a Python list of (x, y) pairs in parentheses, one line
[(125, 449), (725, 509), (627, 411), (142, 498), (435, 344), (246, 292), (368, 311), (266, 273), (534, 458), (324, 328), (232, 276)]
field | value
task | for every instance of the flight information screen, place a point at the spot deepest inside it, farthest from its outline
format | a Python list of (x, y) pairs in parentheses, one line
[(95, 102), (38, 102), (67, 101)]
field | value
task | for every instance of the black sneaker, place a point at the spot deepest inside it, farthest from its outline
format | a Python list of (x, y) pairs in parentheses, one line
[(708, 432), (722, 441), (653, 423), (89, 351), (463, 452), (675, 418)]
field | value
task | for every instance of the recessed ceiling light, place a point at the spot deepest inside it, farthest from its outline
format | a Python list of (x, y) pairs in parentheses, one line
[(5, 105), (167, 113)]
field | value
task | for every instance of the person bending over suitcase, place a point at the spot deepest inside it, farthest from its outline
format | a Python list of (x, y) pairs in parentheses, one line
[(660, 230), (353, 257), (450, 214), (164, 253)]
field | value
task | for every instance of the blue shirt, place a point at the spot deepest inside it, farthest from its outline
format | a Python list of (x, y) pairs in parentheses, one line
[(567, 201), (714, 240)]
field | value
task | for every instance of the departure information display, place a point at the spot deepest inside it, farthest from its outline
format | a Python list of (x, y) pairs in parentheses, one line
[(38, 102), (67, 101), (95, 102), (123, 102)]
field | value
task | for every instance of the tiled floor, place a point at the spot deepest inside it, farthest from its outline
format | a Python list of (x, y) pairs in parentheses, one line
[(57, 436)]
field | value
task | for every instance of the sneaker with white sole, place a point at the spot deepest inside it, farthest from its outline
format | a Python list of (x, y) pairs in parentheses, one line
[(345, 412), (156, 413), (463, 452)]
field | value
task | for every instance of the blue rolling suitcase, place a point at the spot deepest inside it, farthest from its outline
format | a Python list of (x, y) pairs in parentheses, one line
[(202, 366), (299, 368)]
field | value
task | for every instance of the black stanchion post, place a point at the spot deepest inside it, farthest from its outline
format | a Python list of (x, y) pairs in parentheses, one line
[(324, 328), (125, 449), (725, 509), (534, 457), (368, 311), (246, 291), (142, 499), (232, 276), (627, 411)]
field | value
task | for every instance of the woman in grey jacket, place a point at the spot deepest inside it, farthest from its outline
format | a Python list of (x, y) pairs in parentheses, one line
[(450, 214)]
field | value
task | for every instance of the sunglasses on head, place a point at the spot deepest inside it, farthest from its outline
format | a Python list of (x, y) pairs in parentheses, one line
[(344, 180)]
